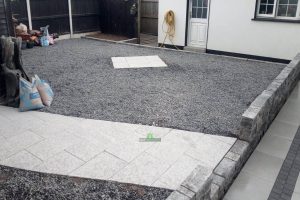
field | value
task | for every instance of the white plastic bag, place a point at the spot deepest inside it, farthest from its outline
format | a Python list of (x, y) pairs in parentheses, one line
[(30, 98)]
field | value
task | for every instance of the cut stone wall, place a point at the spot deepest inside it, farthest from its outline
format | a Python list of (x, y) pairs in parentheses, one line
[(261, 113), (254, 123)]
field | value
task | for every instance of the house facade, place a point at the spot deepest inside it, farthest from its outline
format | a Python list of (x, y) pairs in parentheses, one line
[(262, 29)]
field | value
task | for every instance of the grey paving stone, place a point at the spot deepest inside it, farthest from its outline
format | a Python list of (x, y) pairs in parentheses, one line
[(178, 196), (258, 162), (233, 156), (226, 168), (214, 195), (199, 180), (186, 192), (240, 147), (218, 180)]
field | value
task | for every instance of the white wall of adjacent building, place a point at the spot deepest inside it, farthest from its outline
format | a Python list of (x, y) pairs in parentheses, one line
[(179, 7), (231, 29)]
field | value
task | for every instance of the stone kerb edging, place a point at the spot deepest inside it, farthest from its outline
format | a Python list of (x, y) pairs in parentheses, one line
[(259, 116), (197, 186), (254, 123)]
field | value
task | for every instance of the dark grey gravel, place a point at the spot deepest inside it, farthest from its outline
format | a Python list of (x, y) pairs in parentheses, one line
[(197, 92), (16, 184)]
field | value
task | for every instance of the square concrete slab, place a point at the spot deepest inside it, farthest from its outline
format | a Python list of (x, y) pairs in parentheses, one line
[(259, 162), (137, 62), (274, 146), (249, 187), (282, 129), (296, 196)]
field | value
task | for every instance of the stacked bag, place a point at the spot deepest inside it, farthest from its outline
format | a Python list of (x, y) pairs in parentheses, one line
[(34, 95)]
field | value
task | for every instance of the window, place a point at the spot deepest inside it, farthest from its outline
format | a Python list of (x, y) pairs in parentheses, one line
[(199, 9), (281, 9), (266, 7)]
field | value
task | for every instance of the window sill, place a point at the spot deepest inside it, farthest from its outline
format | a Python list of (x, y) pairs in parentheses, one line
[(266, 19)]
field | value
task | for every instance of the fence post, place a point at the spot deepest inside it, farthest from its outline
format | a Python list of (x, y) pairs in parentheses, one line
[(29, 14), (70, 17), (139, 21)]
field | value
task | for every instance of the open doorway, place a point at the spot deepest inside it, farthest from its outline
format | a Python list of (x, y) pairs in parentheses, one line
[(149, 22)]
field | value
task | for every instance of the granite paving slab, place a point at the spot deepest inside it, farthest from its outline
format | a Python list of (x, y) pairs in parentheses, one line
[(107, 150)]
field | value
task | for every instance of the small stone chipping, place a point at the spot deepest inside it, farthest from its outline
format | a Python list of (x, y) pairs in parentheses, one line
[(197, 92)]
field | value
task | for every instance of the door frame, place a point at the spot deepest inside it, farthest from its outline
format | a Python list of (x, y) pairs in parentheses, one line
[(188, 18)]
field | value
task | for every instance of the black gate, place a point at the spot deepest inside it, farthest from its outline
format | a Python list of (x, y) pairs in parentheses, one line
[(54, 13), (86, 15), (108, 16), (6, 24), (119, 17), (19, 11)]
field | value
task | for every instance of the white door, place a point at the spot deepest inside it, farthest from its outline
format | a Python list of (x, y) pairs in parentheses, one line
[(198, 23)]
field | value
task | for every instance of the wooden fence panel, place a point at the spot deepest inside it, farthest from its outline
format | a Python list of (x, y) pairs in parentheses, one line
[(149, 17)]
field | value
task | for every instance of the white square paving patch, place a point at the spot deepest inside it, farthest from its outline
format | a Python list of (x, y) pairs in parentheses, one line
[(137, 62)]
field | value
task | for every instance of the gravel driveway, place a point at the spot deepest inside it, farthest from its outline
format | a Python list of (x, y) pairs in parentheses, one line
[(197, 92)]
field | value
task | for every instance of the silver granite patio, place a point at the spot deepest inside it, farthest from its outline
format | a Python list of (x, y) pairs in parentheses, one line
[(105, 150)]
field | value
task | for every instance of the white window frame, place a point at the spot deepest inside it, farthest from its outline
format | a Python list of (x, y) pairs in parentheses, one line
[(266, 15), (275, 10)]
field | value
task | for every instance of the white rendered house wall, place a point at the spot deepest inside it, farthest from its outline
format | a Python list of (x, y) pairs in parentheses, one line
[(179, 7), (232, 29)]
